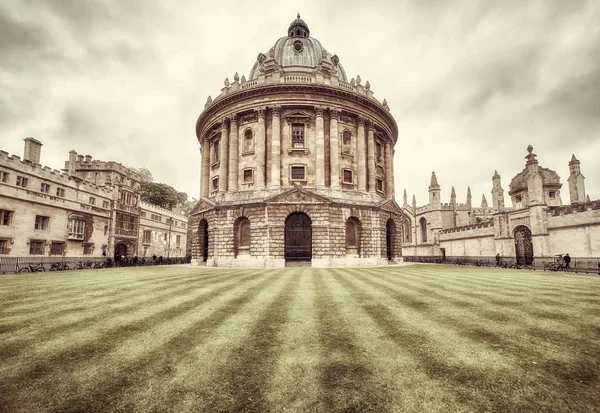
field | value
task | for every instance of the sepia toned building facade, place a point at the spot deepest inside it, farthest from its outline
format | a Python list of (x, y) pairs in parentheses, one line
[(90, 208), (297, 165)]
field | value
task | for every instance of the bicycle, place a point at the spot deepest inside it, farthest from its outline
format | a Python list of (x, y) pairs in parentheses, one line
[(59, 266), (32, 268)]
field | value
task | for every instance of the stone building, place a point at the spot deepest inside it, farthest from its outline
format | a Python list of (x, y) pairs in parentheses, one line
[(297, 164), (90, 208), (535, 224)]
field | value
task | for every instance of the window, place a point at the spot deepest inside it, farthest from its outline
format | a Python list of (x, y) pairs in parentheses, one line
[(351, 233), (248, 178), (215, 183), (147, 237), (22, 181), (4, 249), (155, 217), (244, 234), (166, 236), (215, 151), (379, 185), (92, 200), (5, 217), (105, 205), (36, 247), (106, 230), (378, 152), (41, 222), (178, 240), (552, 194), (183, 225), (60, 192), (4, 177), (248, 141), (423, 224), (88, 249), (518, 198), (298, 135), (346, 142), (57, 248), (143, 214), (45, 188), (76, 227), (298, 173), (348, 176)]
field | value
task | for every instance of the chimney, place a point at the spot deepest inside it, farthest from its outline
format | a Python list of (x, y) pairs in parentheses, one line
[(33, 149), (88, 158), (70, 164), (79, 158)]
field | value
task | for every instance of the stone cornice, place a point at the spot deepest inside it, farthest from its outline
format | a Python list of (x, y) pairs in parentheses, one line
[(284, 89)]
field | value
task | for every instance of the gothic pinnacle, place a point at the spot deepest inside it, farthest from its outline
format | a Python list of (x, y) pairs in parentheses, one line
[(236, 77)]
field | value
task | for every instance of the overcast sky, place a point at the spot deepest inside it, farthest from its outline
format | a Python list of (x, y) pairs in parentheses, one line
[(470, 83)]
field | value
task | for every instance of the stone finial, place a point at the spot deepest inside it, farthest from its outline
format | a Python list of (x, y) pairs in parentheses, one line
[(261, 58), (367, 85), (243, 79), (384, 103), (352, 82), (496, 176), (226, 82), (453, 195), (468, 192), (405, 197), (587, 198), (208, 101), (335, 60), (531, 156), (433, 182), (414, 200), (236, 77), (298, 16), (484, 203), (358, 80)]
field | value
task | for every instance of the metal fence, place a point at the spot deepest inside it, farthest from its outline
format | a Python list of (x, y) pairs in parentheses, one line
[(39, 263), (587, 265)]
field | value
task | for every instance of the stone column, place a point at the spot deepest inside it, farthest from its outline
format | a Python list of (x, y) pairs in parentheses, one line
[(393, 152), (320, 149), (334, 148), (276, 150), (260, 149), (233, 154), (223, 157), (371, 156), (389, 171), (361, 155), (205, 184)]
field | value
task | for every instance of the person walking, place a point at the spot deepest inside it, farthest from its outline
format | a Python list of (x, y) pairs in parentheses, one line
[(567, 261), (498, 259)]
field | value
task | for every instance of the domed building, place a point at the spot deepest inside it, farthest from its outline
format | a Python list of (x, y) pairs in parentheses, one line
[(297, 165)]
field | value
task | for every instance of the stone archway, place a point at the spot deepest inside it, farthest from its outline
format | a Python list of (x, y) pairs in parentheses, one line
[(298, 237), (121, 250), (203, 234), (390, 238), (523, 245)]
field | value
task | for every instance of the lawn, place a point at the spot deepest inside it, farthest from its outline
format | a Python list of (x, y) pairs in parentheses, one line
[(420, 338)]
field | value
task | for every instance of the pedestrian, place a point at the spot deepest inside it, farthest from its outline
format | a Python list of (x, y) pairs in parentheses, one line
[(567, 260), (498, 259)]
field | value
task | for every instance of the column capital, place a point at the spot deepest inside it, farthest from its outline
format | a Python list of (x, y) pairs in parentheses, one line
[(260, 111), (276, 110), (334, 113), (234, 118), (361, 120), (319, 111), (370, 125), (224, 122)]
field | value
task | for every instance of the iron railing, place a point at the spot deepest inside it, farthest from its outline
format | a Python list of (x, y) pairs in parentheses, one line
[(35, 263), (587, 265)]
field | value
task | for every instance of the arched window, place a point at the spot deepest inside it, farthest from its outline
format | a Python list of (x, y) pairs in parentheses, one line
[(423, 224), (407, 231), (245, 234), (242, 236), (248, 141), (352, 236)]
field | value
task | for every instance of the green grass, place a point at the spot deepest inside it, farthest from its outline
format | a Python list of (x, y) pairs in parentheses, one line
[(420, 338)]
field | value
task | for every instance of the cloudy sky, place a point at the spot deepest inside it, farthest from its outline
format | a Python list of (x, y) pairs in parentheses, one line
[(470, 83)]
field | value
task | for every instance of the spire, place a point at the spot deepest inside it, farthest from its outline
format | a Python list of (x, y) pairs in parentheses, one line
[(453, 196), (587, 198), (433, 183), (496, 176), (484, 203), (573, 158), (468, 193), (414, 201), (405, 198)]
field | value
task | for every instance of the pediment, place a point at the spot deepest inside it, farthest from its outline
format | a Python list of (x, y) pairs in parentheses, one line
[(202, 205), (298, 115), (391, 206), (298, 195)]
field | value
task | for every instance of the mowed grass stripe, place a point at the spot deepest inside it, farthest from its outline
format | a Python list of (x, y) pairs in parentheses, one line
[(87, 301), (104, 367), (84, 343), (14, 346), (244, 380), (295, 383), (346, 376), (195, 380), (544, 373), (397, 374), (104, 285)]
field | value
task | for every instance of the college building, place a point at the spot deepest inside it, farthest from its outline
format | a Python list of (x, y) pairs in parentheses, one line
[(91, 208)]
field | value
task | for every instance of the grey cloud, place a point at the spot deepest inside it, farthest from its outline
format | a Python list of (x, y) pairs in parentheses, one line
[(16, 35)]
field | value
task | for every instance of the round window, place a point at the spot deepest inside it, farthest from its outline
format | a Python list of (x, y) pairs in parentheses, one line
[(298, 46)]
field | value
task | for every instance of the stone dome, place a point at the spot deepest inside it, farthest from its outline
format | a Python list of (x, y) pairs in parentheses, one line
[(298, 52), (519, 182)]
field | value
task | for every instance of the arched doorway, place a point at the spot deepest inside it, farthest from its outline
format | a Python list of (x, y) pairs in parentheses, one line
[(203, 234), (298, 237), (523, 245), (120, 249), (390, 238)]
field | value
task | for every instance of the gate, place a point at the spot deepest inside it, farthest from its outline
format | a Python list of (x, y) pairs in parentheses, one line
[(523, 245), (298, 237)]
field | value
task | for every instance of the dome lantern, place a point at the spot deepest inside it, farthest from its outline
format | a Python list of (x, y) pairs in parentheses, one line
[(298, 28)]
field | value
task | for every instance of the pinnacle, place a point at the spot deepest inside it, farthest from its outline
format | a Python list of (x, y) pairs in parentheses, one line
[(433, 181)]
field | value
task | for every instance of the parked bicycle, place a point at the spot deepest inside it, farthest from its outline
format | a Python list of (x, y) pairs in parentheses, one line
[(32, 268), (83, 265), (59, 266)]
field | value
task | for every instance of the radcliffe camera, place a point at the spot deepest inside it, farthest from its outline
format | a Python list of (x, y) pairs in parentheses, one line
[(374, 207)]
